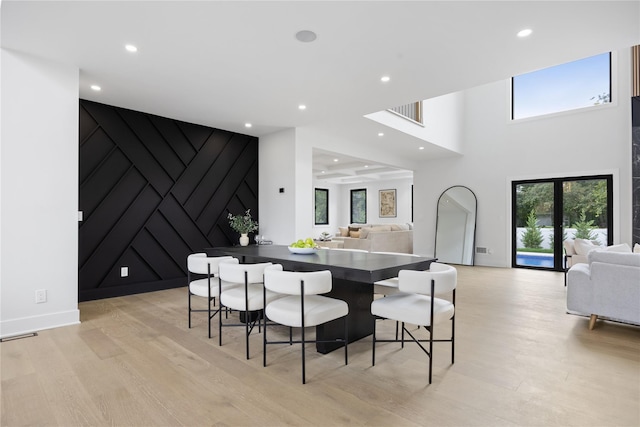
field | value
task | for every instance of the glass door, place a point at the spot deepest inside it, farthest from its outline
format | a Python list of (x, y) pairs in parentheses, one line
[(583, 203), (535, 224)]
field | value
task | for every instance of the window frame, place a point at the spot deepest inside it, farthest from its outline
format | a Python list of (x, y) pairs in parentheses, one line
[(325, 192), (353, 192)]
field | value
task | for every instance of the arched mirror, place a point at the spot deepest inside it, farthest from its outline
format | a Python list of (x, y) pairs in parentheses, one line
[(456, 226)]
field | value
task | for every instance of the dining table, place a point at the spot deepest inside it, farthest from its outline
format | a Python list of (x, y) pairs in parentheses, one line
[(353, 274)]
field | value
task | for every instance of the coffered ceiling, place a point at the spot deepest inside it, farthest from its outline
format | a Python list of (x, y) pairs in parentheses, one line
[(227, 63)]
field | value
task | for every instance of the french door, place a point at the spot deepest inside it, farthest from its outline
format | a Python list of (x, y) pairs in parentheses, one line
[(545, 212)]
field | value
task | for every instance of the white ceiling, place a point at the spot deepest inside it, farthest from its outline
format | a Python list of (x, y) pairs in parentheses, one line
[(222, 64)]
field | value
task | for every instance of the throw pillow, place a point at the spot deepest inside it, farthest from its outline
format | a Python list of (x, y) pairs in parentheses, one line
[(399, 227), (344, 231), (623, 247), (636, 248), (354, 234), (364, 232), (583, 246)]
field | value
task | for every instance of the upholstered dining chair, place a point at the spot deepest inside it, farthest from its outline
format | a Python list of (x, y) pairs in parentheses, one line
[(388, 286), (417, 304), (198, 265), (302, 307), (241, 289)]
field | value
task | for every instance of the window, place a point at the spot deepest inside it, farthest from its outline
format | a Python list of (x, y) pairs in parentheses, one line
[(569, 86), (359, 206), (322, 206), (546, 212)]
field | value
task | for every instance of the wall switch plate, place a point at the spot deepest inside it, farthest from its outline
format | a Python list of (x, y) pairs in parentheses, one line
[(41, 296), (124, 271)]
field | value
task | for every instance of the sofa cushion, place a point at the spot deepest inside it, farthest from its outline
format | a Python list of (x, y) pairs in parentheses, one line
[(583, 246), (620, 258), (623, 247), (364, 231), (399, 227)]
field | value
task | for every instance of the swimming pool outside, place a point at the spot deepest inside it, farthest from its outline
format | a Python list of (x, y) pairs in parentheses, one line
[(532, 259)]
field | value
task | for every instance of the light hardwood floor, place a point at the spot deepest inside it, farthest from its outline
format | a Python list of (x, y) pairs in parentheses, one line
[(520, 360)]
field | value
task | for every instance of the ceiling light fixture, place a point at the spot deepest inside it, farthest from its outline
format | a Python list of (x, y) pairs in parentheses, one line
[(380, 134), (525, 33), (335, 160), (248, 125), (96, 88), (385, 79), (306, 36), (131, 48), (420, 148), (302, 107)]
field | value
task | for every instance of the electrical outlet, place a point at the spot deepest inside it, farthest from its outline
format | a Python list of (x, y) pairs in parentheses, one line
[(41, 296), (124, 271)]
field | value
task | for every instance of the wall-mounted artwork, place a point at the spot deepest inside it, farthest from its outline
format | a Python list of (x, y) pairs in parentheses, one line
[(388, 203)]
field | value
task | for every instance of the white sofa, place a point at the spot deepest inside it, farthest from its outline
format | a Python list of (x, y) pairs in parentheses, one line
[(608, 285), (379, 238)]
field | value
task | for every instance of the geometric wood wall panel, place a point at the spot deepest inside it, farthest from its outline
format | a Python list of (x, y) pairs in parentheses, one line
[(152, 191)]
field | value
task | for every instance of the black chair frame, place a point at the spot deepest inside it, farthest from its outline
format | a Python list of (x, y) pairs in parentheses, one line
[(303, 339), (428, 352), (210, 313)]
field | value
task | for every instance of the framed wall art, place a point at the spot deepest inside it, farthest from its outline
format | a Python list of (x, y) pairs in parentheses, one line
[(387, 203)]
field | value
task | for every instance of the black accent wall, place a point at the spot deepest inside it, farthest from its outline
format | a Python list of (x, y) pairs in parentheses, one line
[(153, 190), (635, 167)]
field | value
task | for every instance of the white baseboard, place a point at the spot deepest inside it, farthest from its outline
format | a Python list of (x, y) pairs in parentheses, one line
[(27, 325)]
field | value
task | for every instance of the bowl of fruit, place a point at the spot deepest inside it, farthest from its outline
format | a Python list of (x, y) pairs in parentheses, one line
[(304, 247)]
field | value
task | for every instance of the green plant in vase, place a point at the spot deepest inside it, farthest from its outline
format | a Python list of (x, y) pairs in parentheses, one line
[(243, 224)]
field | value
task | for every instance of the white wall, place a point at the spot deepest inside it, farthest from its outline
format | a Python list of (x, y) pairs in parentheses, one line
[(497, 151), (442, 121), (403, 201), (277, 212), (39, 194)]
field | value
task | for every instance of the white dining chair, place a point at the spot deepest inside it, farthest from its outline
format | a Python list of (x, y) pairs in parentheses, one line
[(241, 289), (388, 286), (302, 306), (199, 265), (417, 304)]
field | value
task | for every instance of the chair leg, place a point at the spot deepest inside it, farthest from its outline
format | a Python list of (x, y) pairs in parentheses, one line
[(346, 341), (373, 351), (264, 340), (592, 321), (189, 308), (430, 351), (303, 367), (246, 327)]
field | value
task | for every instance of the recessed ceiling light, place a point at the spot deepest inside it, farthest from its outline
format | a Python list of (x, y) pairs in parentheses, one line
[(322, 171), (380, 134), (420, 148), (306, 36), (131, 48), (96, 88), (385, 79), (524, 33), (248, 125), (302, 107), (366, 166), (335, 160)]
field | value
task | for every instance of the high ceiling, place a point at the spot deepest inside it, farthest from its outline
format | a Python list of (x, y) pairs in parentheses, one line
[(224, 64)]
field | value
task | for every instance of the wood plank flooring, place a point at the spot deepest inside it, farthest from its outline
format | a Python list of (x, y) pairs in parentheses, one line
[(520, 361)]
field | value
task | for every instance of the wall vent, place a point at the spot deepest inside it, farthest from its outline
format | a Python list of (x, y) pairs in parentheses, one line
[(480, 250)]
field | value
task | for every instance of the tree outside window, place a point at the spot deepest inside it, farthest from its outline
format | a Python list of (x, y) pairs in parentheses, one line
[(322, 206), (359, 206)]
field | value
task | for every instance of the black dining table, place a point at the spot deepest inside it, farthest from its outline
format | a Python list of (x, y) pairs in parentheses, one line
[(353, 275)]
